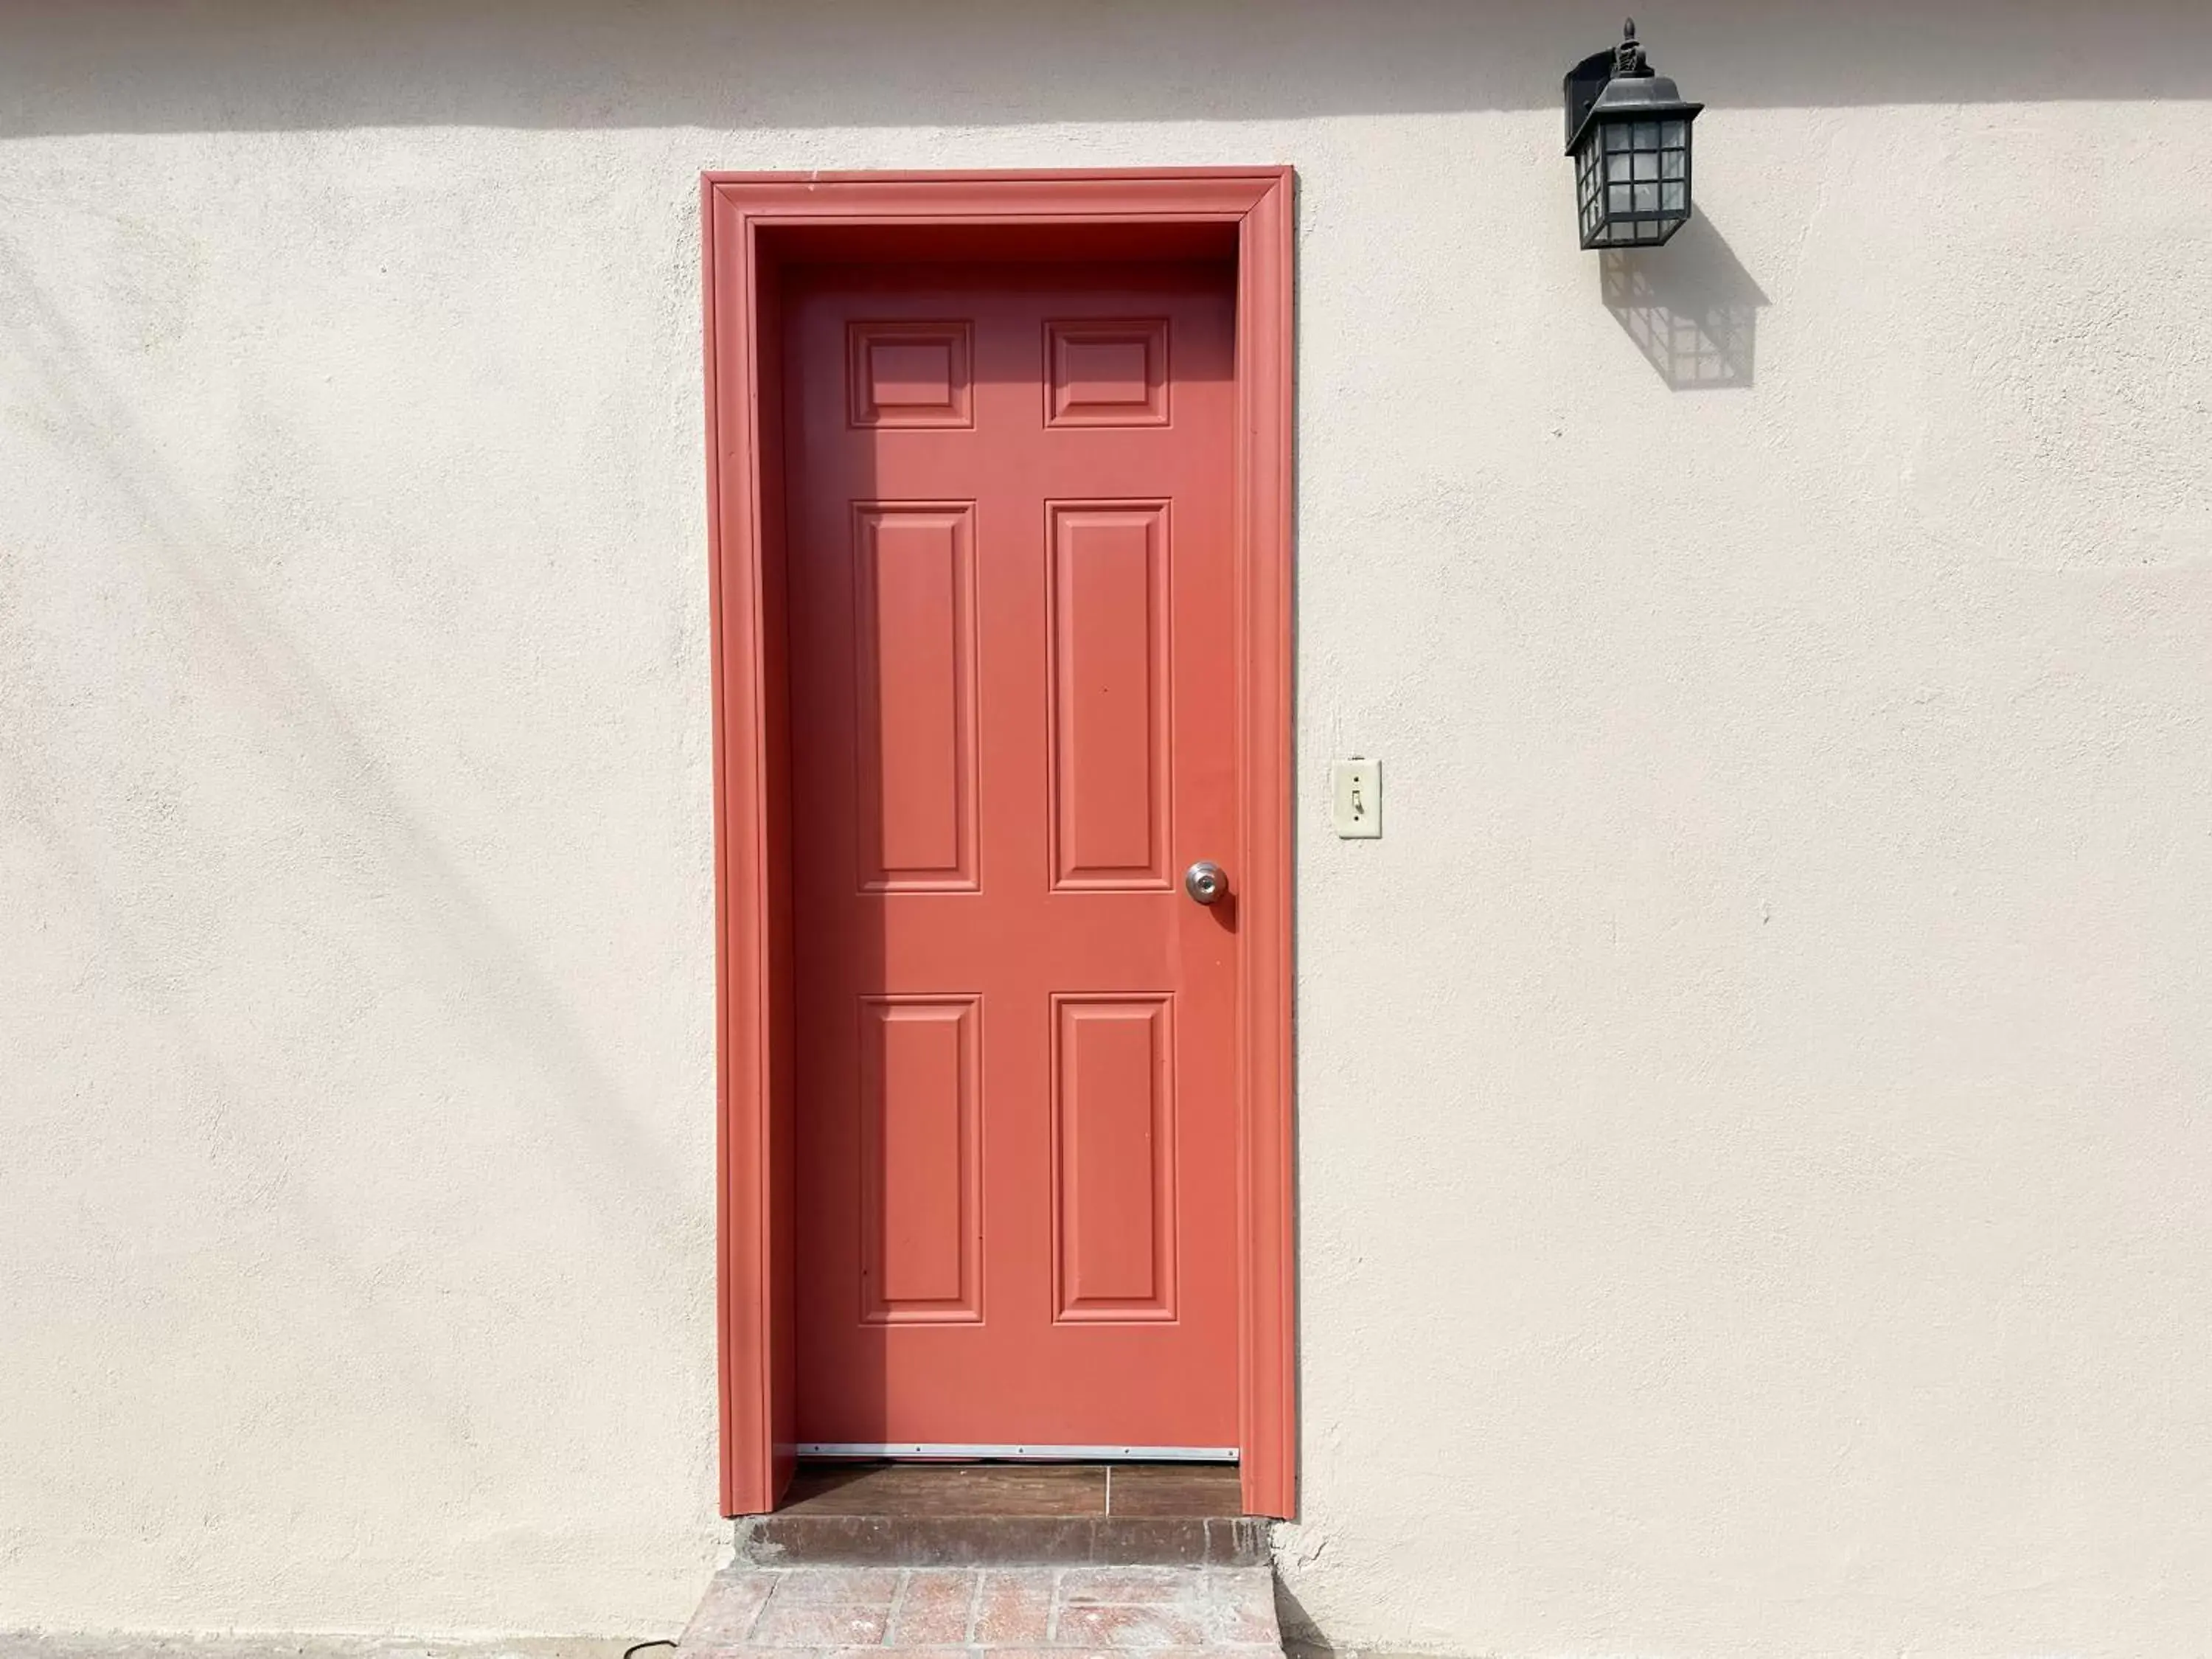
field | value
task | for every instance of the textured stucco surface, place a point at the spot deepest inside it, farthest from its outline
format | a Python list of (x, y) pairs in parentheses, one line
[(1753, 1099)]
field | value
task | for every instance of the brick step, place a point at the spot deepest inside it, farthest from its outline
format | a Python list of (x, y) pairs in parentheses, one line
[(1004, 1540), (986, 1612), (923, 1515)]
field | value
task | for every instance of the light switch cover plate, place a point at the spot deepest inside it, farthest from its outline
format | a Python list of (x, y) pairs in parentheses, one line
[(1359, 809)]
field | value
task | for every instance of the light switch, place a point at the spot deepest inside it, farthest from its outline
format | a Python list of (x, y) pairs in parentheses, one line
[(1359, 799)]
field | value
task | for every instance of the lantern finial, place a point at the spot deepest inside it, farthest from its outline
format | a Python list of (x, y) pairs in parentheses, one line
[(1628, 58)]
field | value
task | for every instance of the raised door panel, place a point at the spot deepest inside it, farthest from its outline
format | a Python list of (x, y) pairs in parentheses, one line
[(1114, 1159), (1107, 373), (1109, 768), (907, 375), (920, 1161), (915, 672)]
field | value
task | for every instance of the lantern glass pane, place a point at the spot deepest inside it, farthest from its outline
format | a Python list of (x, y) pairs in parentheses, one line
[(1632, 180)]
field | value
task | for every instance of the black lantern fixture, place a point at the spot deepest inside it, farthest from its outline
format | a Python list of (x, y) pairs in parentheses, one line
[(1628, 130)]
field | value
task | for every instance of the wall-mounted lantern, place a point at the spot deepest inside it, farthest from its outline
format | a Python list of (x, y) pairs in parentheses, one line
[(1628, 132)]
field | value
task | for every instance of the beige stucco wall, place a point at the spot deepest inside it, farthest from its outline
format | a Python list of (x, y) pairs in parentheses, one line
[(1755, 1143)]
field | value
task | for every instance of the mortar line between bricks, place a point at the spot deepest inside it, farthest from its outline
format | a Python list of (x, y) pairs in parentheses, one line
[(759, 1608), (1052, 1617), (974, 1607), (898, 1604)]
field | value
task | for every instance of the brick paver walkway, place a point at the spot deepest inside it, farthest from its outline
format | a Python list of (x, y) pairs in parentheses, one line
[(986, 1612)]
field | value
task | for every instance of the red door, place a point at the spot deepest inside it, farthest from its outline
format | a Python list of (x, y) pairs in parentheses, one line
[(1014, 728)]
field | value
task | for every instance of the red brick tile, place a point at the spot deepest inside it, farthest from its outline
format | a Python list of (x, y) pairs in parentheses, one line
[(860, 1587), (1244, 1607), (1132, 1626), (1117, 1586), (1014, 1609), (813, 1623), (935, 1607), (733, 1601)]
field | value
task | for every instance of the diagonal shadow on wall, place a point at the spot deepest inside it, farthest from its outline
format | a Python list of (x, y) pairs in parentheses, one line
[(1691, 307)]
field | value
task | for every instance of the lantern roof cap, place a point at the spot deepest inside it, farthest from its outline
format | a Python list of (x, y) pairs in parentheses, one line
[(1618, 85)]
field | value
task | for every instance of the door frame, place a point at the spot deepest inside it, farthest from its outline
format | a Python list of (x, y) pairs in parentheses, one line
[(751, 223)]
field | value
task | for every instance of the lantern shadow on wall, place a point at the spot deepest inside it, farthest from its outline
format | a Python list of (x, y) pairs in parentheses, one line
[(1691, 307)]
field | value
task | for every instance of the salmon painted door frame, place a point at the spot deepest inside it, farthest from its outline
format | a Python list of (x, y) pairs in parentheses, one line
[(754, 224)]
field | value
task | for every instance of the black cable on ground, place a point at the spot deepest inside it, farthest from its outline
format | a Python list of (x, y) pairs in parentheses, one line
[(642, 1646)]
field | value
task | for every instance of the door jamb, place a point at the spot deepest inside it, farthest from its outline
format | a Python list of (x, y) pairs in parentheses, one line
[(746, 217)]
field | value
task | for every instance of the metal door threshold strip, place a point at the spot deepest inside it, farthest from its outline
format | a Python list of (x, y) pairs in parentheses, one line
[(869, 1449)]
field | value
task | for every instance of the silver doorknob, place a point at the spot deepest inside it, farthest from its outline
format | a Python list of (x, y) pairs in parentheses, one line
[(1205, 881)]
